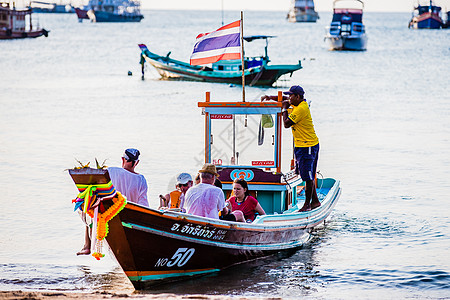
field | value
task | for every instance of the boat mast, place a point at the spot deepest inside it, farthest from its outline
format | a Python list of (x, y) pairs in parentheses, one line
[(234, 159), (242, 56)]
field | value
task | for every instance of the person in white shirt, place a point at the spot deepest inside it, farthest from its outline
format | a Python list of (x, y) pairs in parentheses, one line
[(125, 180), (205, 199)]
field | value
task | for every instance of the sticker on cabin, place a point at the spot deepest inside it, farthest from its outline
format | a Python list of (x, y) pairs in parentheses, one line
[(217, 162), (221, 117), (247, 175), (265, 163)]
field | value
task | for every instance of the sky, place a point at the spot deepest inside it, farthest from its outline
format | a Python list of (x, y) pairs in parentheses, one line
[(282, 5)]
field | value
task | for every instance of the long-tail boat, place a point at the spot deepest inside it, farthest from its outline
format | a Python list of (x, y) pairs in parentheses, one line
[(159, 245), (258, 71)]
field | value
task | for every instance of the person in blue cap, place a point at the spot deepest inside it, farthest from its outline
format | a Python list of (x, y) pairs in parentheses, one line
[(306, 142), (127, 181)]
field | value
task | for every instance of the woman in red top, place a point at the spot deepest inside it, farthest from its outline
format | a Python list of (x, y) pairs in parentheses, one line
[(243, 201)]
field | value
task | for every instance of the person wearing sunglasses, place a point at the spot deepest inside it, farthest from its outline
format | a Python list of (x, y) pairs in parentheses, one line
[(175, 199)]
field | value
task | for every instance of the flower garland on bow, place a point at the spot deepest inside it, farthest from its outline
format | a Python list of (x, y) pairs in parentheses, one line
[(102, 222), (89, 199)]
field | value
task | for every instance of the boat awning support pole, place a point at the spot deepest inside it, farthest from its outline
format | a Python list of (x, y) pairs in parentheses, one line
[(242, 56)]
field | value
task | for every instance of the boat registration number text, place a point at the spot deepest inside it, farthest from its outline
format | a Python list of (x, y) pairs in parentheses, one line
[(178, 259), (199, 231)]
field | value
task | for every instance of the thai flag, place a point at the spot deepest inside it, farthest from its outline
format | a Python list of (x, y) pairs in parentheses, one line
[(222, 44)]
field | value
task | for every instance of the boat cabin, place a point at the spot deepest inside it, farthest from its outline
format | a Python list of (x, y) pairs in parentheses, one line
[(422, 9), (243, 140), (347, 22), (249, 62), (12, 19)]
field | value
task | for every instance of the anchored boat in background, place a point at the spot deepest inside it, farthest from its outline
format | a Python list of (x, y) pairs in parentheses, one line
[(347, 31), (155, 246), (426, 17), (51, 7), (257, 70), (14, 23), (302, 11), (111, 11)]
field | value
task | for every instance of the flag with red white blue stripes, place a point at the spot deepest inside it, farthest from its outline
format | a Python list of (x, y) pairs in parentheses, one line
[(222, 44)]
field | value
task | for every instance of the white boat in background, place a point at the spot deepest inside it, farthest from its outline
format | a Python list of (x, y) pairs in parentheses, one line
[(302, 11), (347, 31), (111, 11)]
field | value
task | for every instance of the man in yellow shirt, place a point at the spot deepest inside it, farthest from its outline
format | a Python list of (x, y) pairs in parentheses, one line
[(306, 143)]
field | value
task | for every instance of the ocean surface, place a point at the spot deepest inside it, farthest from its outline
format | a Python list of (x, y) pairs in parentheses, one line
[(382, 117)]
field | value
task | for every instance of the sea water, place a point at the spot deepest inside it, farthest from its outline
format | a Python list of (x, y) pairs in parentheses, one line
[(382, 117)]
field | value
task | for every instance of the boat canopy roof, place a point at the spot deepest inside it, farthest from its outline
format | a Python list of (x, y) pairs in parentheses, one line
[(348, 3), (257, 37), (347, 16), (426, 8)]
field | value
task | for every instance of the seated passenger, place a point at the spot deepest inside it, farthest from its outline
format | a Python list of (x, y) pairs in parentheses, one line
[(205, 199), (175, 199), (197, 179), (242, 201)]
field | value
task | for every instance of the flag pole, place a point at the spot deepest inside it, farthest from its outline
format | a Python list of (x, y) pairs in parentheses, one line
[(242, 56)]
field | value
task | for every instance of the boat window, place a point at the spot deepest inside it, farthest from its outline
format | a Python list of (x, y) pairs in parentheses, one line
[(253, 144), (334, 29), (346, 28), (220, 67), (358, 28)]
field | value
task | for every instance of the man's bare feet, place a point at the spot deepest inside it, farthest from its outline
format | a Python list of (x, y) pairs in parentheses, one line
[(84, 251), (315, 205), (305, 207)]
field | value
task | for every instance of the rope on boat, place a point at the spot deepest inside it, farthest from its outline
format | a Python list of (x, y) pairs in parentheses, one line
[(257, 77)]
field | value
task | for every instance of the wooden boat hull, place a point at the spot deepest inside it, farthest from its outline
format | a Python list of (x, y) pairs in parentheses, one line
[(154, 246), (265, 75), (306, 16), (358, 43), (426, 21), (6, 34)]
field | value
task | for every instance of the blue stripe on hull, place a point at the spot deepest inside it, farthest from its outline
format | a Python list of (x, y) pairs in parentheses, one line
[(171, 275)]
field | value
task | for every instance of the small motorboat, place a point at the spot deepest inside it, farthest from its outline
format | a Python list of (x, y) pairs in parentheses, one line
[(426, 17), (14, 26), (302, 11), (257, 70), (160, 245), (347, 31)]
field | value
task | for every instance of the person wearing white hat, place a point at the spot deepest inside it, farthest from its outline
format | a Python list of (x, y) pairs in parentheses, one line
[(175, 199)]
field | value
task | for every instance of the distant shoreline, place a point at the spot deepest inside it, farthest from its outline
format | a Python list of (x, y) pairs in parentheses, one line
[(105, 295)]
